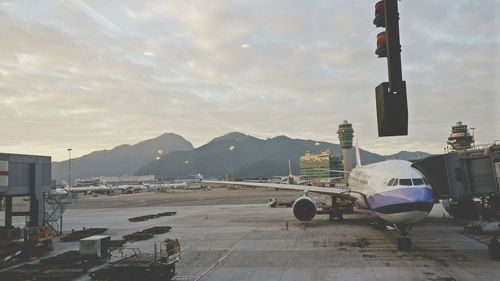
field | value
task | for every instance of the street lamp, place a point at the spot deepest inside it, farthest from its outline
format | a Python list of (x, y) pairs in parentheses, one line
[(69, 168), (160, 164), (231, 148), (187, 168), (316, 147)]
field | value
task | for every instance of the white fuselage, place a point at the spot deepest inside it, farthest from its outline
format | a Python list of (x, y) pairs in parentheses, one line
[(392, 190), (91, 189)]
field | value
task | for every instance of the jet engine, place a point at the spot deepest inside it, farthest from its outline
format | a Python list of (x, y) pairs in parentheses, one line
[(304, 209)]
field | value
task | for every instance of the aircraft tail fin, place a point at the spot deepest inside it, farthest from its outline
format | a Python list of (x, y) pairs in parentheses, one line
[(65, 184), (289, 168), (358, 157)]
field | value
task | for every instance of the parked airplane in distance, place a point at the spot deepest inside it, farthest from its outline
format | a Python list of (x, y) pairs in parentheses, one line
[(392, 190), (101, 189)]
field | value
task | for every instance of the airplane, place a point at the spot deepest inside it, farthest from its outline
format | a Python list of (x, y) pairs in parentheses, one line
[(58, 192), (173, 185), (291, 179), (92, 189), (392, 190)]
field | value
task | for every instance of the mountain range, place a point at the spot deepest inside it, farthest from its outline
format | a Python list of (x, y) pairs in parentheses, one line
[(124, 159), (250, 157)]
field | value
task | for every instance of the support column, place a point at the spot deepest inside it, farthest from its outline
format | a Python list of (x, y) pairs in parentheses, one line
[(34, 215), (8, 211)]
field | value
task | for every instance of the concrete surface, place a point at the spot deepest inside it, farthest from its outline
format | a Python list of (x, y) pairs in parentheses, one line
[(233, 235)]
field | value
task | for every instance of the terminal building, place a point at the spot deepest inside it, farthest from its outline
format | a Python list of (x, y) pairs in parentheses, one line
[(321, 168)]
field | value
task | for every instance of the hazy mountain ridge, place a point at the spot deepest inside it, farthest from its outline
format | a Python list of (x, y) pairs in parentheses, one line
[(407, 155), (124, 159), (252, 157)]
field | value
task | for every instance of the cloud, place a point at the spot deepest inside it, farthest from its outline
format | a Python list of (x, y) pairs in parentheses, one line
[(95, 74)]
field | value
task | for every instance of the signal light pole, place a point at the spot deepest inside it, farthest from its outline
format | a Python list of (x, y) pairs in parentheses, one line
[(391, 100)]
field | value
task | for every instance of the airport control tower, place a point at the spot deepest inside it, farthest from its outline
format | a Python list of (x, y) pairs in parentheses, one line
[(460, 139), (346, 134)]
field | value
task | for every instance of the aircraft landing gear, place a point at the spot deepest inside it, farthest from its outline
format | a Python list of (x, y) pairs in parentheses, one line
[(336, 212), (403, 241), (333, 215), (404, 244)]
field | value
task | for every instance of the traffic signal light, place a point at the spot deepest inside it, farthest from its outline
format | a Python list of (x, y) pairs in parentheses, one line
[(392, 107)]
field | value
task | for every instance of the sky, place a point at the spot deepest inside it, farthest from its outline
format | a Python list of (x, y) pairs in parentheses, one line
[(91, 75)]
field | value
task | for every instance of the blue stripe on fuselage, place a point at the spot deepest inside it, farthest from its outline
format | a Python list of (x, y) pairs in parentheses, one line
[(400, 196)]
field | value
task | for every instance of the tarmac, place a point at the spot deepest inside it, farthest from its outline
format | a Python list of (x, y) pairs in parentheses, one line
[(233, 235)]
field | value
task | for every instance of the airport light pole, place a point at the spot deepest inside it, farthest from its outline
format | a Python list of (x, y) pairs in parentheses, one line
[(186, 166), (231, 148), (316, 144), (69, 168), (158, 158)]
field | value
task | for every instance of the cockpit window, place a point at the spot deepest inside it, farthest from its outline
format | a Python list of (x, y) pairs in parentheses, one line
[(426, 181), (405, 182), (418, 181), (391, 182), (395, 182)]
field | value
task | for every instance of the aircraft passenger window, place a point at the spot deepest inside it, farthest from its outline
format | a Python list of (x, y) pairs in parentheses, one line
[(426, 181), (418, 181), (395, 182), (404, 181), (391, 182)]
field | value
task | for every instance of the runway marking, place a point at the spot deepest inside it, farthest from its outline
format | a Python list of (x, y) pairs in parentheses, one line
[(214, 265), (183, 278)]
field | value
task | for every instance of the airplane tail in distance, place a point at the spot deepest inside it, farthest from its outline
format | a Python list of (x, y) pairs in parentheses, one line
[(197, 177), (289, 168), (358, 157), (65, 184)]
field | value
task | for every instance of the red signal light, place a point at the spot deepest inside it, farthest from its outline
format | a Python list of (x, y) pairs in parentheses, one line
[(381, 45), (379, 20)]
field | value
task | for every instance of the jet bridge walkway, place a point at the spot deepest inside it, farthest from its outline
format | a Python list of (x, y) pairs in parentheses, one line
[(459, 176)]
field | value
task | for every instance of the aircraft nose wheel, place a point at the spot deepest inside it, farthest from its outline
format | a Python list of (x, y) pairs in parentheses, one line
[(404, 244), (334, 215)]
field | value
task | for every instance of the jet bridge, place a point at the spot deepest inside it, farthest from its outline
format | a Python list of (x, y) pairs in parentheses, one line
[(457, 174), (23, 176), (462, 175)]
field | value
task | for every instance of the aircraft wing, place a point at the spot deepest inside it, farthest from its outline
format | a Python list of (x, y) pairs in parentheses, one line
[(303, 188)]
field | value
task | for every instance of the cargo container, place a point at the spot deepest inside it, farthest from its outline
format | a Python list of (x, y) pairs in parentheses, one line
[(96, 245)]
